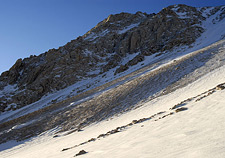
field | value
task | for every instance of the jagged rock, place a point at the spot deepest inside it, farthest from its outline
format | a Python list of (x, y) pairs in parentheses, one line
[(92, 139), (112, 63), (135, 41), (121, 69), (82, 152), (134, 121), (220, 87), (181, 109), (137, 59), (114, 131), (101, 135), (103, 48)]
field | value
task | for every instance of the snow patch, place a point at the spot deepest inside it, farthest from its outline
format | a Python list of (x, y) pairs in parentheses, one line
[(127, 28), (8, 89), (92, 36)]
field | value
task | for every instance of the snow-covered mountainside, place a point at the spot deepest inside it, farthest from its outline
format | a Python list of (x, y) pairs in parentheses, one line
[(132, 78), (188, 122), (115, 47)]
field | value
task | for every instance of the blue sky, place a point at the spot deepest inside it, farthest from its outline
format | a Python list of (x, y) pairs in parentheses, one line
[(31, 27)]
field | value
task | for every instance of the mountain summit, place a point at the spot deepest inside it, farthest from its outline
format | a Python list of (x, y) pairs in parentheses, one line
[(128, 52), (102, 50)]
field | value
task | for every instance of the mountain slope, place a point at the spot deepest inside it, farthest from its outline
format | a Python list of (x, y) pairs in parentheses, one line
[(139, 87), (115, 45), (125, 62), (195, 132)]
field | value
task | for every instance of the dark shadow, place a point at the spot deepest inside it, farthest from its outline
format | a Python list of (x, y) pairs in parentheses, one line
[(12, 143)]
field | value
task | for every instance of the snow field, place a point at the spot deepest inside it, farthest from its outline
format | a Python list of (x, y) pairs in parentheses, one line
[(196, 132)]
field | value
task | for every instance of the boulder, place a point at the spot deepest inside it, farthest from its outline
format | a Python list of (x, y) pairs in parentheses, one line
[(181, 109), (220, 87), (82, 152)]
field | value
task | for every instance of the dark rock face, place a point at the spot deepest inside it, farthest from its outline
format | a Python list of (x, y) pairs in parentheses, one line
[(102, 48)]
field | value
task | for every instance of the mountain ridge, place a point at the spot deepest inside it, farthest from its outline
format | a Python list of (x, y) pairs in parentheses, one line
[(114, 54), (101, 49)]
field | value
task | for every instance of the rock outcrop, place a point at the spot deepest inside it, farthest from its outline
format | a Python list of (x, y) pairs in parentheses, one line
[(101, 49)]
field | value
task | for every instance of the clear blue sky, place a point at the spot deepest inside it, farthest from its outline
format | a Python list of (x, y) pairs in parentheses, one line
[(31, 27)]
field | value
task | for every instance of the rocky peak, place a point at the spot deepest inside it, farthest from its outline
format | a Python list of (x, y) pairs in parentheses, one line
[(101, 49), (116, 22)]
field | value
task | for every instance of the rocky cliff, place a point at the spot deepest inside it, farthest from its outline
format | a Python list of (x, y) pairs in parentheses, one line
[(103, 49)]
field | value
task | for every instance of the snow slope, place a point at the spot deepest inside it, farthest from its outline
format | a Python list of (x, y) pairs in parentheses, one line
[(195, 132)]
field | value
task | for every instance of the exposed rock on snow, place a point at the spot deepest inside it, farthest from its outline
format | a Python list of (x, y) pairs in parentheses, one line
[(155, 117), (220, 87), (138, 87), (118, 66), (102, 49), (82, 152), (184, 131), (181, 109)]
